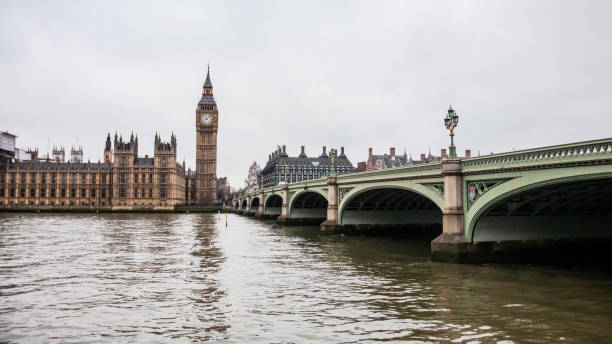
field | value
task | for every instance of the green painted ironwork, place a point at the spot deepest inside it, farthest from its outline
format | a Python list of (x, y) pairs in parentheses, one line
[(480, 188), (561, 154), (343, 191), (437, 187), (494, 177)]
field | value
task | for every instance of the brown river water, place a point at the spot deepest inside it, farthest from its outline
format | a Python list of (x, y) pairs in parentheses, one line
[(178, 278)]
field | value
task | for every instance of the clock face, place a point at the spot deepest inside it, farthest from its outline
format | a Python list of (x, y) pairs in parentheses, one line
[(206, 119)]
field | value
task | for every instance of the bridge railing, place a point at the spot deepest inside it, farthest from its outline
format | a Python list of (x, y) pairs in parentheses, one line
[(425, 170), (429, 169), (560, 154)]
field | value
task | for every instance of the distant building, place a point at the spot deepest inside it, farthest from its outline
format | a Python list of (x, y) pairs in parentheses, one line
[(252, 180), (58, 154), (21, 155), (190, 188), (7, 144), (281, 168), (223, 190), (7, 149), (76, 154), (33, 154), (361, 166), (391, 160)]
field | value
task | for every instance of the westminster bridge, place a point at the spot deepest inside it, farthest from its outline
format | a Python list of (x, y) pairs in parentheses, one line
[(559, 192)]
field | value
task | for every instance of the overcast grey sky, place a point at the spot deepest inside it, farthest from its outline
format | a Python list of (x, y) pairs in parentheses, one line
[(520, 74)]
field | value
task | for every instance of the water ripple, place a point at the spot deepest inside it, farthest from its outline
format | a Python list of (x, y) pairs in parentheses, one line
[(133, 278)]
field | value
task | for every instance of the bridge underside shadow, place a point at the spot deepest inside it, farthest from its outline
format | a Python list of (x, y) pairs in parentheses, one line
[(391, 211), (309, 208), (567, 210), (272, 207), (560, 223), (254, 206)]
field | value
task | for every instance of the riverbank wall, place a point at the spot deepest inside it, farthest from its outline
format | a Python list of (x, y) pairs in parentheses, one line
[(107, 209)]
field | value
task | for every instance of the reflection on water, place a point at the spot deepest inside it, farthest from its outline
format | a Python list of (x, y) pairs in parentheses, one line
[(187, 278)]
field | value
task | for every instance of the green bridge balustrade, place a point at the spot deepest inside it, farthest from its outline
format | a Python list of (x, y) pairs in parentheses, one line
[(557, 192)]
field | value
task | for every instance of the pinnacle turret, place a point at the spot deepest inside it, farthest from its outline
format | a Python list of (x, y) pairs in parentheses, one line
[(107, 147)]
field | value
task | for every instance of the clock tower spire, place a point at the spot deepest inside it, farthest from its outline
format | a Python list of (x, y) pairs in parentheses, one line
[(207, 120), (208, 87)]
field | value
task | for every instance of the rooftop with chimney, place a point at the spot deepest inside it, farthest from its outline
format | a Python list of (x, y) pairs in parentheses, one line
[(302, 167), (391, 160)]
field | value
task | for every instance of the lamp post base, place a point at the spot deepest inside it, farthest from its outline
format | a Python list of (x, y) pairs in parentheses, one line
[(452, 152)]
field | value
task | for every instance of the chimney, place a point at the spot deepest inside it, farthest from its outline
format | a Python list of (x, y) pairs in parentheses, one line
[(392, 152), (302, 149), (468, 153), (302, 153), (370, 152), (284, 149), (423, 157), (324, 154), (342, 152), (443, 153)]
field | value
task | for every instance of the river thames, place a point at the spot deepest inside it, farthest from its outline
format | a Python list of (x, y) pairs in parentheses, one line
[(178, 278)]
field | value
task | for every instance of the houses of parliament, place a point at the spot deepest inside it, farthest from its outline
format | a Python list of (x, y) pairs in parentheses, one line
[(123, 180)]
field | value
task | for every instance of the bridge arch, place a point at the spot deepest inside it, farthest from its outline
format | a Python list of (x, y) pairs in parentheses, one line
[(391, 204), (254, 204), (544, 204), (308, 204), (273, 204)]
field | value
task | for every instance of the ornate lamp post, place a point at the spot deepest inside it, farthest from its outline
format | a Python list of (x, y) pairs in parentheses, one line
[(450, 121), (332, 156)]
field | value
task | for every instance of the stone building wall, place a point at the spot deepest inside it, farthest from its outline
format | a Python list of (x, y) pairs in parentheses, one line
[(127, 183), (55, 184)]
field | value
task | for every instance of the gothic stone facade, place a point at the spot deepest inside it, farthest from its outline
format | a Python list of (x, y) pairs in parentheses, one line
[(124, 181), (207, 123), (53, 184), (156, 182), (127, 182)]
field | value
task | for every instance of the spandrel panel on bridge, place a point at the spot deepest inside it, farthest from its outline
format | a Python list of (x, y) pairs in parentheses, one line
[(579, 209), (309, 205), (390, 206)]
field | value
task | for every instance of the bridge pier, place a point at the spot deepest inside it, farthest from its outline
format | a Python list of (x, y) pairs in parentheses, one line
[(248, 208), (261, 210), (331, 224), (284, 216), (452, 246)]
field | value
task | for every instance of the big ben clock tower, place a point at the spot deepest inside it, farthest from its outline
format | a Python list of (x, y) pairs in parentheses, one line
[(207, 122)]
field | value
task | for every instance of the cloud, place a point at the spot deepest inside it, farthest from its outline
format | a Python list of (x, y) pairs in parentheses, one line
[(356, 74)]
